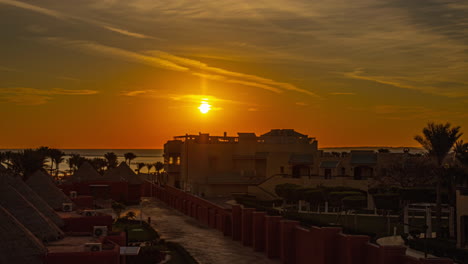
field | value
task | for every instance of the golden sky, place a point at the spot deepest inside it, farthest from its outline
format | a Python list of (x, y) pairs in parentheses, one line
[(132, 74)]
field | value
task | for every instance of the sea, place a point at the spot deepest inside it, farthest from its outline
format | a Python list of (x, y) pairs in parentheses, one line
[(155, 155)]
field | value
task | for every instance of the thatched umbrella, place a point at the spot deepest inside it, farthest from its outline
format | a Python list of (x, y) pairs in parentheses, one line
[(86, 172), (43, 185), (122, 173), (35, 199), (41, 226), (18, 245)]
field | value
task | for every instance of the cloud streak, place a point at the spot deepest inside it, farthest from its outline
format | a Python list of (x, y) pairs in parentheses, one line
[(34, 96), (62, 16), (175, 63)]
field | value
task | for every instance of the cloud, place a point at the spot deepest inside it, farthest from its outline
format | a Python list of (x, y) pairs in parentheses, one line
[(186, 98), (171, 62), (126, 32), (159, 58), (241, 78), (117, 53), (34, 96), (405, 83), (34, 8), (341, 93), (62, 16)]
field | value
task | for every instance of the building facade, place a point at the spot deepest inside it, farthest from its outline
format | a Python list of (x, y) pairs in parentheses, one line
[(220, 165)]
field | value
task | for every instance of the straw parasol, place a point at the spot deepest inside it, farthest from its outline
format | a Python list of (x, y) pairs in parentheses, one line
[(41, 226), (43, 185), (18, 245), (86, 172), (122, 173), (35, 199)]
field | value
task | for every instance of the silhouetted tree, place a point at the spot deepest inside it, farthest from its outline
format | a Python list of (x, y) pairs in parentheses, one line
[(56, 156), (158, 166), (461, 152), (149, 166), (129, 156), (27, 162), (99, 164), (438, 140), (112, 160), (139, 167)]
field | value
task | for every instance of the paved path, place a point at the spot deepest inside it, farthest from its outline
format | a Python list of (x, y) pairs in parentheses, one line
[(206, 245), (398, 241)]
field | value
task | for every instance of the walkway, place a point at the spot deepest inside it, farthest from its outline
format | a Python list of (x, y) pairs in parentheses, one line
[(398, 241), (206, 245)]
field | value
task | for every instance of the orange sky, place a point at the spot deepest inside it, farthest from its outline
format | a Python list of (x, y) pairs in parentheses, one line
[(114, 74)]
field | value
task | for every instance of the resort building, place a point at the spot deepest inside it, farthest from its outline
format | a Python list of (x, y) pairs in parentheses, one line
[(220, 165), (120, 184)]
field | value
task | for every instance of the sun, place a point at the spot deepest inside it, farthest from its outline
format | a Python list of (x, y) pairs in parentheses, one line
[(204, 107)]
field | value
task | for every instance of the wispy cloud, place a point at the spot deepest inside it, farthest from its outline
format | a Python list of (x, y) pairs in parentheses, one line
[(341, 93), (34, 96), (34, 8), (126, 32), (402, 82), (186, 98), (171, 62), (241, 78), (64, 16), (117, 53)]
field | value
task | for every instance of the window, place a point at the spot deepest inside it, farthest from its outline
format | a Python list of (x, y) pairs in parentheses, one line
[(328, 173), (282, 169), (343, 171), (171, 160), (178, 161)]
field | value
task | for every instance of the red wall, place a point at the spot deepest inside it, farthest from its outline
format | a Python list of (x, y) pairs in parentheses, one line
[(100, 257), (284, 239), (85, 224), (119, 191)]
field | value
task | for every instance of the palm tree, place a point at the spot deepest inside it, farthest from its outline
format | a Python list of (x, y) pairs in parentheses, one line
[(158, 166), (75, 161), (461, 152), (56, 156), (438, 140), (129, 156), (139, 167), (99, 164), (27, 162), (149, 166), (112, 160)]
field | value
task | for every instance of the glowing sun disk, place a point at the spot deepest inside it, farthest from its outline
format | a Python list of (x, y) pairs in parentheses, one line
[(204, 107)]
